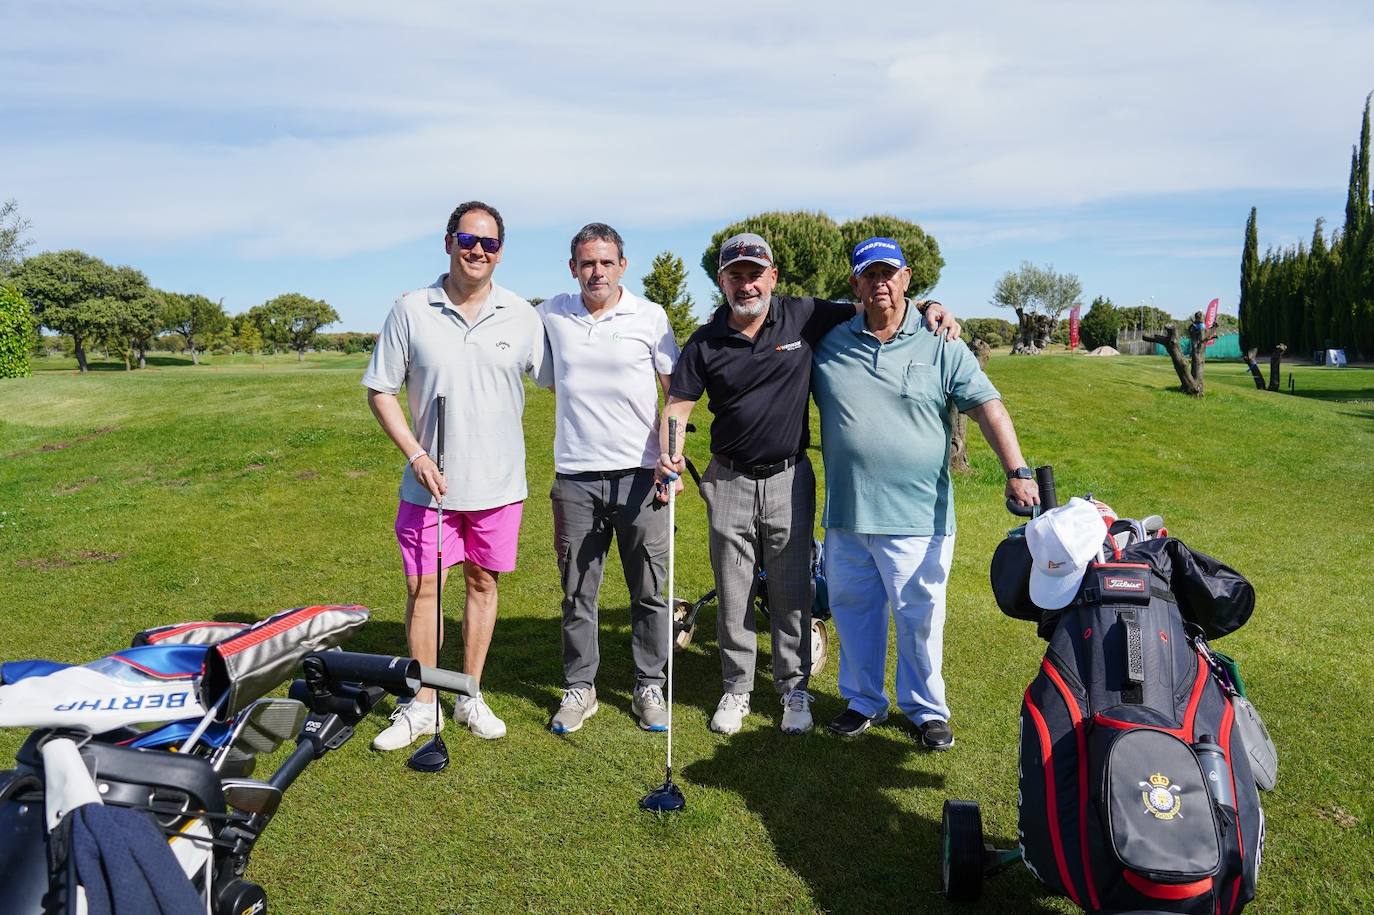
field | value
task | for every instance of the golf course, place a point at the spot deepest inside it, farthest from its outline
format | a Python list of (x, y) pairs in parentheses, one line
[(245, 485)]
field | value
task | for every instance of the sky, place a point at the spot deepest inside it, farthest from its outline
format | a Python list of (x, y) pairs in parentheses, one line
[(246, 149)]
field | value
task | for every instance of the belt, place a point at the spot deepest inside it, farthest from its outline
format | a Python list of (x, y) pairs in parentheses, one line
[(586, 476), (758, 471)]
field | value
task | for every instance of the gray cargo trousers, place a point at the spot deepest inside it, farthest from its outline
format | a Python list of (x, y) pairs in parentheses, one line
[(588, 509), (769, 522)]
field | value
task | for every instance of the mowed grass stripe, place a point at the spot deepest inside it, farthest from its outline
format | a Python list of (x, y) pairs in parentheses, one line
[(240, 487)]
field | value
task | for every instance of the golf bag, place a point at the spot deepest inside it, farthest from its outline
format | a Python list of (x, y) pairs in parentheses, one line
[(1136, 787)]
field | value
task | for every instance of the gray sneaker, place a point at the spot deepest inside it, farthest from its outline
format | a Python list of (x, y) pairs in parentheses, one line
[(649, 708), (579, 704)]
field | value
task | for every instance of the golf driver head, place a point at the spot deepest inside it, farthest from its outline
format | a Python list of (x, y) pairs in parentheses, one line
[(432, 757), (666, 798)]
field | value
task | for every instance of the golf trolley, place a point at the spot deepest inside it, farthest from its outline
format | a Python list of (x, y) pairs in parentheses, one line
[(107, 766), (685, 612), (1140, 759)]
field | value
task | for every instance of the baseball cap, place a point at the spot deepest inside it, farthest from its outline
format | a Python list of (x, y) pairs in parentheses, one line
[(746, 246), (1062, 541), (876, 250)]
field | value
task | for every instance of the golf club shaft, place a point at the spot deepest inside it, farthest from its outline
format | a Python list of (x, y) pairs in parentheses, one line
[(672, 537), (440, 402)]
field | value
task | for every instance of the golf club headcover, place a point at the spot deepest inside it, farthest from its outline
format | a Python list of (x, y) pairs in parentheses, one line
[(251, 664)]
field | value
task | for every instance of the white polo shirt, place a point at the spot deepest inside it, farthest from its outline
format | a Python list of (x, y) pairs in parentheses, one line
[(427, 346), (604, 372)]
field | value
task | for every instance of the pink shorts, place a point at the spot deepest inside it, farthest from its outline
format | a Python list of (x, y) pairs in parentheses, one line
[(487, 537)]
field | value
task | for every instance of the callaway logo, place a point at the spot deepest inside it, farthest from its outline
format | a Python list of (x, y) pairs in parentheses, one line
[(503, 345), (1124, 584), (1051, 564), (784, 347), (1161, 799), (875, 244)]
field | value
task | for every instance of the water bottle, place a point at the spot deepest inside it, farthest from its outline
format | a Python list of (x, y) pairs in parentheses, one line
[(1215, 770)]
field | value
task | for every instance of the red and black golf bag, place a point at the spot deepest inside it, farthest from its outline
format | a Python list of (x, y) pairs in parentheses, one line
[(1136, 791)]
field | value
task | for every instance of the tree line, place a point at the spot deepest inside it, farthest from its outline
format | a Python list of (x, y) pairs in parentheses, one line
[(116, 309), (1317, 295)]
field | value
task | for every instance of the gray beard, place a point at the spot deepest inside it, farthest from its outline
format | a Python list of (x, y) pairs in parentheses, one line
[(749, 311)]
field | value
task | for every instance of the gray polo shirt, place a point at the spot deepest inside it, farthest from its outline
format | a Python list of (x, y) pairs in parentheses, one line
[(885, 432), (428, 347)]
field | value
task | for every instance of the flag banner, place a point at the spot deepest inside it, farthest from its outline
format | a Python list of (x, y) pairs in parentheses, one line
[(1073, 327), (1211, 314)]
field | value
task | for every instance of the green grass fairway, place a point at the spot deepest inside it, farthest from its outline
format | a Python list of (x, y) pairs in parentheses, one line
[(244, 486)]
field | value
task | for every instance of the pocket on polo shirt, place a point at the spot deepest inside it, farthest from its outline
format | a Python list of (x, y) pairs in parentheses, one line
[(921, 382)]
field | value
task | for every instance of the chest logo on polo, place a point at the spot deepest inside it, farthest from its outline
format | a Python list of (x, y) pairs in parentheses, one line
[(785, 347), (502, 344)]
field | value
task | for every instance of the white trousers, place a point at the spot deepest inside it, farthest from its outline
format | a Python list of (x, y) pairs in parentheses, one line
[(868, 576)]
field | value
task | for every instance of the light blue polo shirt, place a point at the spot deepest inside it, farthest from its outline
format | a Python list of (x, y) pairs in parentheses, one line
[(885, 431)]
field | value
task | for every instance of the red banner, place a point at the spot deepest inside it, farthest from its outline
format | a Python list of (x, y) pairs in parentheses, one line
[(1211, 314), (1073, 328)]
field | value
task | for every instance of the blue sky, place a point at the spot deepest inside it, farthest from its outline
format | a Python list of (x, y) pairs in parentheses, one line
[(246, 149)]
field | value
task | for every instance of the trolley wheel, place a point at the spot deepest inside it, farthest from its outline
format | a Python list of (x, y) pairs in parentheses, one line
[(682, 632), (961, 845), (820, 640)]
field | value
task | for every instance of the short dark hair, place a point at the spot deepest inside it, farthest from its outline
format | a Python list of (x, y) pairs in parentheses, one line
[(465, 208), (597, 231)]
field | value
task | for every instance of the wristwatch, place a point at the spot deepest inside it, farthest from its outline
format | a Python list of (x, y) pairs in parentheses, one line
[(1020, 473)]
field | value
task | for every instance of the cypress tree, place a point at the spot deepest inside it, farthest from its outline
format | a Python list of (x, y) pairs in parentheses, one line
[(1249, 263)]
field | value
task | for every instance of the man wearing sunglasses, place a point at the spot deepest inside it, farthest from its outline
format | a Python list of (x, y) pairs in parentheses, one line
[(609, 354), (470, 340), (753, 361)]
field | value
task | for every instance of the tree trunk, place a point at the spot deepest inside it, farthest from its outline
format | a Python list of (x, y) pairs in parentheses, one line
[(300, 354), (1254, 369), (1198, 343), (80, 352), (958, 422), (1169, 340), (1276, 365), (1025, 334), (142, 356), (191, 345)]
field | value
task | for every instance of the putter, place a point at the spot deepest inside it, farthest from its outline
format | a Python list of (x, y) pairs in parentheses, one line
[(667, 797), (433, 756)]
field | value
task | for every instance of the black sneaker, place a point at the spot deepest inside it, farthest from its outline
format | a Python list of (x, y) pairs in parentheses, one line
[(936, 735), (850, 723)]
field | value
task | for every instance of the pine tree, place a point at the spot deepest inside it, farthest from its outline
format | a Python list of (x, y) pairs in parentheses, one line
[(666, 284)]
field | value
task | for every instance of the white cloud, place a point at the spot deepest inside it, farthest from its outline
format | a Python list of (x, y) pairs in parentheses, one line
[(319, 129)]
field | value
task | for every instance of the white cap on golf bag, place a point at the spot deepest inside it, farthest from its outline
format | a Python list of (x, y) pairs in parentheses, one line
[(1062, 541)]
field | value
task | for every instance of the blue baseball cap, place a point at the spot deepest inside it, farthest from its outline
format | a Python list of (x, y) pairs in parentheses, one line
[(876, 250)]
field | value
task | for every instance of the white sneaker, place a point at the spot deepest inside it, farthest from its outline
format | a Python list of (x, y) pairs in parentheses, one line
[(409, 723), (796, 711), (479, 718), (730, 713)]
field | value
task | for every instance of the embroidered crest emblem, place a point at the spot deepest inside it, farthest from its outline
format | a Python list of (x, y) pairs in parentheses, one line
[(1162, 800)]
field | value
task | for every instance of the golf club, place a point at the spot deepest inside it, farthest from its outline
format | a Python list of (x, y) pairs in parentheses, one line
[(433, 756), (668, 797)]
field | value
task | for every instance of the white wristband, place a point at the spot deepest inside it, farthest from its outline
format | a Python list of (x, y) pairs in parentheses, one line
[(410, 462)]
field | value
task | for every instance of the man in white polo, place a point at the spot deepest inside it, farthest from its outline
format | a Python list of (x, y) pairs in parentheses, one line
[(472, 341), (609, 353)]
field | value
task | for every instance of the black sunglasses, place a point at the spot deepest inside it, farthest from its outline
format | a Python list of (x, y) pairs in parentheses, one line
[(735, 252), (466, 241)]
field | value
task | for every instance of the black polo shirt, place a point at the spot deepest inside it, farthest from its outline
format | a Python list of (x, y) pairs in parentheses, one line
[(757, 389)]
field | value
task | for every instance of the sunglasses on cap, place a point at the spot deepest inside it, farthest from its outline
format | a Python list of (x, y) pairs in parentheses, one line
[(735, 252), (466, 241)]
